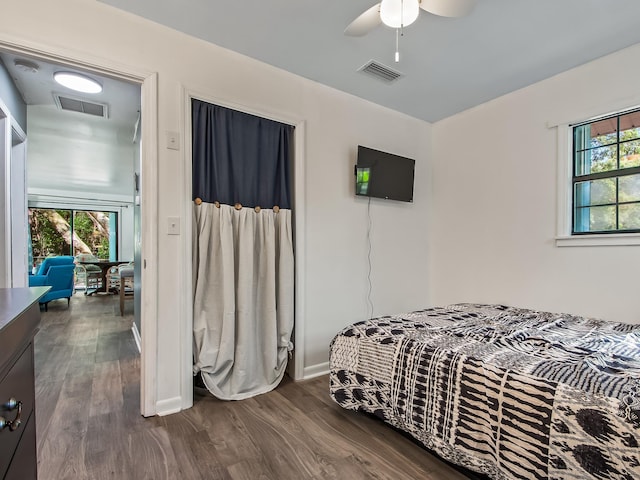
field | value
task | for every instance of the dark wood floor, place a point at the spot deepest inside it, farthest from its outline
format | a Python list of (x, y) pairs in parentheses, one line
[(89, 426)]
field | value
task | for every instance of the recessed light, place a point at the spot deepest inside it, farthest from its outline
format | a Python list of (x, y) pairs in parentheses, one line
[(77, 82)]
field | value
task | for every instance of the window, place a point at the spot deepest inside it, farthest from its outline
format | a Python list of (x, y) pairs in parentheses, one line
[(606, 175), (71, 232)]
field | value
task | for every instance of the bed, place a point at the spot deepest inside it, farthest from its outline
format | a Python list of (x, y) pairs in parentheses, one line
[(503, 391)]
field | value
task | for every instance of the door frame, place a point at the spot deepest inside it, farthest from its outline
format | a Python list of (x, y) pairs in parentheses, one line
[(18, 216), (148, 82), (12, 157), (295, 368)]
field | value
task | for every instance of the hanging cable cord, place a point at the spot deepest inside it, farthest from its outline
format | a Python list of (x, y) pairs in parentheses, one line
[(370, 285)]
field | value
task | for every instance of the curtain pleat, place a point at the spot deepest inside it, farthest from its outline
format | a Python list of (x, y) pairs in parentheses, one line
[(243, 298)]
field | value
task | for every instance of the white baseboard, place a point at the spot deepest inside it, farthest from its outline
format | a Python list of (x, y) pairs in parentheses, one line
[(315, 371), (136, 336), (168, 406)]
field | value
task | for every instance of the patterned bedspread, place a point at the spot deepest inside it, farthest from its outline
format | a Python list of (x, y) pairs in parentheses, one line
[(508, 392)]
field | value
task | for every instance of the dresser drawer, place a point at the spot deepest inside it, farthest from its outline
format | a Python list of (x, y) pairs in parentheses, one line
[(24, 466), (18, 384)]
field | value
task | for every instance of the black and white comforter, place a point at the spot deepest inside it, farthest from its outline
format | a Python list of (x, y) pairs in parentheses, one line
[(508, 392)]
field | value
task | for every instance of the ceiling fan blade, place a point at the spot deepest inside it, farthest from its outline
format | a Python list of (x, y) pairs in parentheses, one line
[(366, 22), (448, 8)]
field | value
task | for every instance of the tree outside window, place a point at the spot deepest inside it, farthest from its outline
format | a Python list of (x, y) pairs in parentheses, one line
[(70, 232)]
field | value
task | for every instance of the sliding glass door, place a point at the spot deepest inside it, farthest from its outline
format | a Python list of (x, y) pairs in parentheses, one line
[(72, 232)]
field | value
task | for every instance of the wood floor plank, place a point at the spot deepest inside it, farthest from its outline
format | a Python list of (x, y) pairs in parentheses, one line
[(197, 457), (73, 467), (63, 445), (289, 453), (228, 433), (301, 396), (152, 456), (62, 456), (47, 395), (318, 388), (249, 470), (82, 361), (107, 448), (106, 391), (108, 347), (189, 423), (54, 366)]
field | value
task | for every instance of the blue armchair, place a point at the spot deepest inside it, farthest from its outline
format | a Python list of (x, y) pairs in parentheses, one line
[(57, 273)]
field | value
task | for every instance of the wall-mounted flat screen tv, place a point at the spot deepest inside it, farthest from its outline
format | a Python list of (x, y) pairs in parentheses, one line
[(384, 175)]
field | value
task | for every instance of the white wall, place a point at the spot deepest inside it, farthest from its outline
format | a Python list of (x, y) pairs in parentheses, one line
[(81, 154), (494, 198), (335, 265), (337, 220)]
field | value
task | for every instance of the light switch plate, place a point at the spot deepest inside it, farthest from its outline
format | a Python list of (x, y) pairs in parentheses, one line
[(173, 226)]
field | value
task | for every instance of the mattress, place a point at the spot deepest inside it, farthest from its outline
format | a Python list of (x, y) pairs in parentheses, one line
[(503, 391)]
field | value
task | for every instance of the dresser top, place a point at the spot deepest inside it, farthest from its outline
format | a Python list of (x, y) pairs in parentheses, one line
[(14, 301)]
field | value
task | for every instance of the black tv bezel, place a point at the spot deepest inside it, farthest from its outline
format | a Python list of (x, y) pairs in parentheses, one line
[(388, 157)]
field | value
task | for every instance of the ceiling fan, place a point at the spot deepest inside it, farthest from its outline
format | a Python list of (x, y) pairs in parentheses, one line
[(401, 13)]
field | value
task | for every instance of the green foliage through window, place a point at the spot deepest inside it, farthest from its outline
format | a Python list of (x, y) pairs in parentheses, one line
[(69, 232)]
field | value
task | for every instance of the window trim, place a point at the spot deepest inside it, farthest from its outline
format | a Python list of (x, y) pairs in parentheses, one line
[(564, 192)]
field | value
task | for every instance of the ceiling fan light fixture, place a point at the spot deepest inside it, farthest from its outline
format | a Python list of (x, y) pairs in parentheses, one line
[(399, 13), (77, 82)]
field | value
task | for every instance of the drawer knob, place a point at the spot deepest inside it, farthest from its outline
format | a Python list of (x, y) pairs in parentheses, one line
[(13, 425)]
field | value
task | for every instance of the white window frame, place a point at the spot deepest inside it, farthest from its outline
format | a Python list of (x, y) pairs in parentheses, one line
[(564, 237), (81, 205)]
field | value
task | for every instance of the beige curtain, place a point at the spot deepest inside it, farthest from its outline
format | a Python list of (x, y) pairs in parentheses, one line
[(243, 279)]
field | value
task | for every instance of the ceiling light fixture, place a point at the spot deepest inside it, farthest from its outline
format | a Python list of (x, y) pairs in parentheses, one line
[(399, 13), (77, 82)]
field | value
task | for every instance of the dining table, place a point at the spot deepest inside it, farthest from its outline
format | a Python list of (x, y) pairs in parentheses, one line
[(104, 265)]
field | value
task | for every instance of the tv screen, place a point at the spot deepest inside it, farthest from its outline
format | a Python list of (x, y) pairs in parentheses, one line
[(384, 175)]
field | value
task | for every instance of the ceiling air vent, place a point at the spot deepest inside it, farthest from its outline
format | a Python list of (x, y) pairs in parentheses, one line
[(81, 106), (380, 71)]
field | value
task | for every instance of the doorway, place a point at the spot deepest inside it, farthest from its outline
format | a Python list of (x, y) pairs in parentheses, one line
[(145, 190), (295, 366)]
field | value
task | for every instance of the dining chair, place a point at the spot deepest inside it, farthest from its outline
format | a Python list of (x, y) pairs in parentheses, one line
[(86, 274)]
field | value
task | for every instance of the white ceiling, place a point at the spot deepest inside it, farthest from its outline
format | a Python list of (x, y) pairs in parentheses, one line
[(74, 153), (449, 64)]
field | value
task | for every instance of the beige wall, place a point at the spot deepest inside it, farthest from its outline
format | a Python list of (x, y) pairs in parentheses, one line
[(334, 267)]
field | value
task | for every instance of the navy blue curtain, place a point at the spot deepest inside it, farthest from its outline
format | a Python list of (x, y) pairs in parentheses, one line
[(240, 158)]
